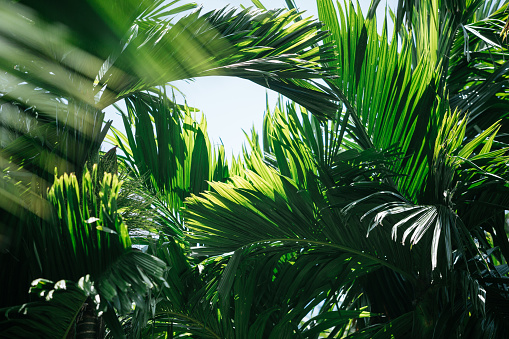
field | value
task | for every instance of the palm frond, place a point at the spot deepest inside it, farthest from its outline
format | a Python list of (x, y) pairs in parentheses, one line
[(266, 47), (167, 147), (478, 73), (383, 92), (82, 237), (62, 301)]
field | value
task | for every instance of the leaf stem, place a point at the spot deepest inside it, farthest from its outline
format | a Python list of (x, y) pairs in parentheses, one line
[(404, 274), (197, 322)]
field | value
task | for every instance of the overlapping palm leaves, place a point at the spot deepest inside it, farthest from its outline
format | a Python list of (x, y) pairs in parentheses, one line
[(166, 147), (83, 232), (348, 217), (260, 46), (288, 216), (397, 186), (198, 299), (58, 77), (264, 47), (412, 184)]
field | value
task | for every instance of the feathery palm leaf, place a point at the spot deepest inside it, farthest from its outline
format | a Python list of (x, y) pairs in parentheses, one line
[(57, 80), (171, 151), (84, 234)]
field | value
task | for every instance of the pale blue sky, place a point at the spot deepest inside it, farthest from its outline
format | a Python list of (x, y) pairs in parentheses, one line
[(232, 105)]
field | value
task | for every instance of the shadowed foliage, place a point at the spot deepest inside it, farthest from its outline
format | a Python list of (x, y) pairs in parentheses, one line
[(383, 218), (62, 63)]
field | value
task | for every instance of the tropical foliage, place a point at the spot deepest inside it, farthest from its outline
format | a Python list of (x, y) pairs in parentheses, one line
[(405, 183), (383, 218), (62, 63)]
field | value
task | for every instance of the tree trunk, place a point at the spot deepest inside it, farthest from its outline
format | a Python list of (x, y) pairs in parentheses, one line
[(88, 324)]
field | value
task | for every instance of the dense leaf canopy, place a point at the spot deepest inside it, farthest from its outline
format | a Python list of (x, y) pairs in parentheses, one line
[(372, 205)]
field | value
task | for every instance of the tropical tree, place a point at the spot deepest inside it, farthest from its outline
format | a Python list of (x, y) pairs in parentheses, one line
[(63, 63), (386, 221)]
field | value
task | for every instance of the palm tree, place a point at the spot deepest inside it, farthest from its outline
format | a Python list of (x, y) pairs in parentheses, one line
[(388, 220), (63, 63)]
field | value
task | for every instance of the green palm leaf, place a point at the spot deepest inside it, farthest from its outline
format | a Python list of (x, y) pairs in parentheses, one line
[(383, 92), (62, 301), (264, 47), (84, 234), (175, 158)]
